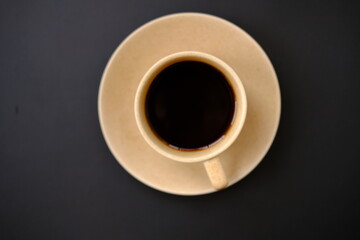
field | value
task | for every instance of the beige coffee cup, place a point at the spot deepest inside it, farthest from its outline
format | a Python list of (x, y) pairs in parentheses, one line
[(210, 156)]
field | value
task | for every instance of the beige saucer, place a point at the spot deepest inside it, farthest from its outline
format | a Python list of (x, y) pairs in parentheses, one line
[(162, 37)]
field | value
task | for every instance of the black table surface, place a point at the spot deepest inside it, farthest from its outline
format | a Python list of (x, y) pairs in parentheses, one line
[(58, 179)]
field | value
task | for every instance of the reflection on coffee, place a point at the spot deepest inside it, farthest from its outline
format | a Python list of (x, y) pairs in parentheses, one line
[(190, 105)]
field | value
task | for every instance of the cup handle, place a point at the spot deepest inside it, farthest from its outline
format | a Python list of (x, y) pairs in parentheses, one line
[(216, 173)]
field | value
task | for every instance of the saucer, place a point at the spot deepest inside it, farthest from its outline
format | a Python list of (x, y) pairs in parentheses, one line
[(162, 37)]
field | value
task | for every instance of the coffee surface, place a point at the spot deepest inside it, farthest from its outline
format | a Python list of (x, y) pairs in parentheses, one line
[(190, 105)]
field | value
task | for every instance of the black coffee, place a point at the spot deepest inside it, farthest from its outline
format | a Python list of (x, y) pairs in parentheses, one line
[(190, 105)]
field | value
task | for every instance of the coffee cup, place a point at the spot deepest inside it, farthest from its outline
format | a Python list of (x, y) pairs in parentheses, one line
[(190, 107)]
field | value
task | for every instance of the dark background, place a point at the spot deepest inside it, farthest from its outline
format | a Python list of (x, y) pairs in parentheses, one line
[(58, 179)]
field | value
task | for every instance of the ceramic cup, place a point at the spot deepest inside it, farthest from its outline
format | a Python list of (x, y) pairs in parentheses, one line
[(211, 156)]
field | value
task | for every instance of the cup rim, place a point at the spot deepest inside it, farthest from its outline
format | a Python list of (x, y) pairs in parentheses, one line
[(214, 149)]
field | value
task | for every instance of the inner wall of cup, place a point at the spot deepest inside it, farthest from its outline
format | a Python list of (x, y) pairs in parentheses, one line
[(230, 131)]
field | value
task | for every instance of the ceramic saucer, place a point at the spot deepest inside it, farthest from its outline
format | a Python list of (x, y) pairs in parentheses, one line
[(185, 32)]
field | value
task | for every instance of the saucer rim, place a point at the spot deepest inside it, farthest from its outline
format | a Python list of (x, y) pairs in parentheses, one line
[(106, 71)]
